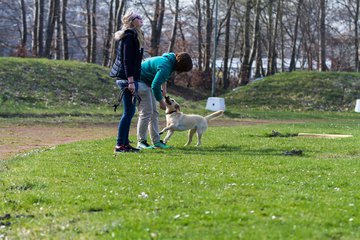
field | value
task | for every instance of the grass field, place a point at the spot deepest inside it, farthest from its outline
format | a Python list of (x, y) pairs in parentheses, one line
[(238, 185)]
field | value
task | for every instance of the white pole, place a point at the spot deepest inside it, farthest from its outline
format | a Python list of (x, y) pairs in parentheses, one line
[(214, 52)]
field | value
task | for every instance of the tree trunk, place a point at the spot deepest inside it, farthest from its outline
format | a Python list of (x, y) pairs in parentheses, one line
[(282, 38), (292, 66), (119, 11), (184, 47), (35, 39), (40, 28), (24, 25), (199, 32), (226, 81), (175, 23), (258, 65), (51, 26), (64, 34), (237, 32), (93, 33), (244, 70), (88, 31), (256, 35), (356, 43), (156, 27), (270, 31), (107, 47), (58, 36), (322, 30), (273, 60), (209, 23)]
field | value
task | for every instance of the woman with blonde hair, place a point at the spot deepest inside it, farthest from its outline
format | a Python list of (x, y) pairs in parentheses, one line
[(126, 69)]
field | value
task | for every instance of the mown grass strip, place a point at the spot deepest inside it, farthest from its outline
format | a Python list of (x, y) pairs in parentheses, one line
[(237, 185)]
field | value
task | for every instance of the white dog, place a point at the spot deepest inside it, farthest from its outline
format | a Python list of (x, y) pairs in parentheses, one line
[(178, 121)]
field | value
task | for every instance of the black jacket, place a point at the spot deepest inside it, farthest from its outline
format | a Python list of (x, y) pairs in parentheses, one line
[(128, 57)]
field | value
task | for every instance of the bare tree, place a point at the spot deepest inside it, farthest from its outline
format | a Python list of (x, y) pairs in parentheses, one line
[(244, 69), (352, 7), (57, 46), (22, 46), (119, 11), (199, 32), (272, 48), (356, 40), (156, 22), (256, 35), (322, 31), (226, 81), (40, 28), (88, 31), (175, 23), (35, 39), (93, 32), (107, 46), (53, 11), (292, 65), (64, 33), (209, 25), (308, 26)]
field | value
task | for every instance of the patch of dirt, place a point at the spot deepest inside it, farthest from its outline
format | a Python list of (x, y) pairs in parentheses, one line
[(20, 138)]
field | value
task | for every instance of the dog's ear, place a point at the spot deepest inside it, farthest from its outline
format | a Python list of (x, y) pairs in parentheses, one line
[(177, 107), (167, 100)]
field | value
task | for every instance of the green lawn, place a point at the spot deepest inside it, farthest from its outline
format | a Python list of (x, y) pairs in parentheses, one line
[(238, 185)]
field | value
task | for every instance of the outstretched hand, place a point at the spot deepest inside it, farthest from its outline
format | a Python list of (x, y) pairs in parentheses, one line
[(162, 104)]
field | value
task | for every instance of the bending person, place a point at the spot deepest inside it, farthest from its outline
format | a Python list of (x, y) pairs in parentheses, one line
[(155, 72)]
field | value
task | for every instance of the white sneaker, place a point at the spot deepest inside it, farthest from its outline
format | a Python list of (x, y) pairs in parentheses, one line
[(144, 145)]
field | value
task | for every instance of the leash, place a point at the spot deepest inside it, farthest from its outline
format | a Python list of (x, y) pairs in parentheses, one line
[(135, 98)]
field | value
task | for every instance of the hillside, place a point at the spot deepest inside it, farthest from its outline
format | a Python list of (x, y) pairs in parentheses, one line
[(327, 91), (43, 82), (28, 83), (49, 85)]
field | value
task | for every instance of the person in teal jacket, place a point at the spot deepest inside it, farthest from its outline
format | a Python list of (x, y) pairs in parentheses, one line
[(155, 72)]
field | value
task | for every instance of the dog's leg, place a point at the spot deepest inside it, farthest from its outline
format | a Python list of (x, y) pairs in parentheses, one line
[(190, 136), (199, 134), (168, 135), (166, 129)]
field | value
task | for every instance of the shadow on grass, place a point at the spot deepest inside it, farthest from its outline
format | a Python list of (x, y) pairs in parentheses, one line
[(231, 150)]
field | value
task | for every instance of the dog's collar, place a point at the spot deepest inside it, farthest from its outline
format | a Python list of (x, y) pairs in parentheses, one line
[(171, 112)]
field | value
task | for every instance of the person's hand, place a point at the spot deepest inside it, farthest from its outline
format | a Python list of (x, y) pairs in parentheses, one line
[(131, 87), (162, 104)]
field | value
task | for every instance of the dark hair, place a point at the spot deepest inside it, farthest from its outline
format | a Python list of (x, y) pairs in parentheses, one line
[(183, 62)]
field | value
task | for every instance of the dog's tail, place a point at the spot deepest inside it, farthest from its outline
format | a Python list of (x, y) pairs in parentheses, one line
[(214, 115)]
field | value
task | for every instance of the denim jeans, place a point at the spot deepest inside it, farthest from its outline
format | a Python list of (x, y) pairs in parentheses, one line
[(129, 111)]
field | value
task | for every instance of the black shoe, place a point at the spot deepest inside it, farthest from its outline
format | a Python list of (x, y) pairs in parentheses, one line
[(131, 148), (125, 148)]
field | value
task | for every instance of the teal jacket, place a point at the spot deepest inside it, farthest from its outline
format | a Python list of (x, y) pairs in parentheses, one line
[(157, 70)]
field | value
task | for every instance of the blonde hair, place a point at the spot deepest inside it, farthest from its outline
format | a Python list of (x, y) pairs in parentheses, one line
[(127, 23)]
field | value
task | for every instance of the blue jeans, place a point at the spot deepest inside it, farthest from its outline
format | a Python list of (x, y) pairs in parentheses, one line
[(129, 111)]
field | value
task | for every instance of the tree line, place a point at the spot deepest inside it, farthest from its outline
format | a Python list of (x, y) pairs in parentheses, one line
[(254, 38)]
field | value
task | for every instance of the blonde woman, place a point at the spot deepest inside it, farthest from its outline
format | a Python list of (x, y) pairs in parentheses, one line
[(126, 69)]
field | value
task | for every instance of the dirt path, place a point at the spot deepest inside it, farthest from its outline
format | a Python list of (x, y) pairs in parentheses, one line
[(20, 138)]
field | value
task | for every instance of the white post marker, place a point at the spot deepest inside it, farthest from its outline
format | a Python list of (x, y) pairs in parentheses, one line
[(215, 104), (357, 106)]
